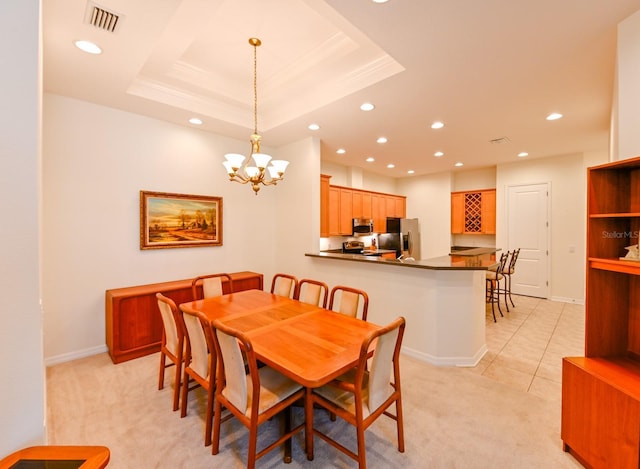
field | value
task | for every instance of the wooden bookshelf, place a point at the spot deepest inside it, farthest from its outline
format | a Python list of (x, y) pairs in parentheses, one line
[(601, 391)]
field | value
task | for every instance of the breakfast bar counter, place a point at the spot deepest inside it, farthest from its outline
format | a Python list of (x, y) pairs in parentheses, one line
[(451, 262), (442, 299)]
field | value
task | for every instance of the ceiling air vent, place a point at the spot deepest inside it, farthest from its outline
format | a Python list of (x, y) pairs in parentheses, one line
[(102, 19), (498, 141)]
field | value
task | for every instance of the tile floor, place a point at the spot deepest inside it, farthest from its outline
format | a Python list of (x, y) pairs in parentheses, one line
[(526, 346)]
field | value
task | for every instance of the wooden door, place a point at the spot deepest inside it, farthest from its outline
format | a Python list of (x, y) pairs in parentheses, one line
[(528, 229)]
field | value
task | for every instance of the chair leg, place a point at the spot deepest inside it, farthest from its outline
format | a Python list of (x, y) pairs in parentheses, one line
[(489, 290), (496, 291), (185, 392), (215, 444), (209, 416), (508, 277), (253, 446), (362, 449), (176, 389), (161, 372), (400, 423)]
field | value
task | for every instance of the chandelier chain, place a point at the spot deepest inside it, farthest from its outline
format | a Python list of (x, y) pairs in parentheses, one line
[(255, 88)]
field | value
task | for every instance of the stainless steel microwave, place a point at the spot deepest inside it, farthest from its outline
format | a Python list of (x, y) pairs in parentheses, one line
[(362, 226)]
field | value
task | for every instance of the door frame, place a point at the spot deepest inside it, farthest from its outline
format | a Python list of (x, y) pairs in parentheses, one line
[(547, 183)]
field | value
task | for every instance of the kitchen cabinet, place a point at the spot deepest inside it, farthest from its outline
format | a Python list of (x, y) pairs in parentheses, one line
[(340, 205), (324, 205), (473, 212), (133, 323), (601, 391)]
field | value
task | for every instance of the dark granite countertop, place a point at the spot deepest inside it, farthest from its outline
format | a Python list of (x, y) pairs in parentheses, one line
[(450, 262)]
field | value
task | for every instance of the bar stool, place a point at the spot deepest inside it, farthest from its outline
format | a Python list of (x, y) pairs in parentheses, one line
[(493, 278), (508, 272)]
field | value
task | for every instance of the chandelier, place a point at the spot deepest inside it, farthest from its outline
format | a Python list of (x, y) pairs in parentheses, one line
[(238, 166)]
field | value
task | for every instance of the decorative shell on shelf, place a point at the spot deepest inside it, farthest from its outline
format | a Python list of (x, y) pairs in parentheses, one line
[(633, 253)]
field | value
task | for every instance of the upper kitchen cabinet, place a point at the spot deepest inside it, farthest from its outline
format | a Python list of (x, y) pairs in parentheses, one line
[(473, 212), (340, 205), (324, 205)]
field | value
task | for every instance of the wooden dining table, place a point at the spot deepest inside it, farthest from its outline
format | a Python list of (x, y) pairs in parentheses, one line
[(307, 343)]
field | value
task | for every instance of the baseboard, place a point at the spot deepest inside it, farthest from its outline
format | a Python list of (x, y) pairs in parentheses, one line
[(67, 357), (575, 301), (447, 361)]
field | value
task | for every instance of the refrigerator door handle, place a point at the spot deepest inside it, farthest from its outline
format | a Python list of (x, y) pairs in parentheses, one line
[(410, 243)]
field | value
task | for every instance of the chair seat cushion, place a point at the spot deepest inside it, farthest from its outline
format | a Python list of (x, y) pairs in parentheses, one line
[(494, 275), (274, 388), (345, 399)]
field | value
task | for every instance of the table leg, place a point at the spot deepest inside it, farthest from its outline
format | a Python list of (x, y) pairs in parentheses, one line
[(287, 429), (308, 422)]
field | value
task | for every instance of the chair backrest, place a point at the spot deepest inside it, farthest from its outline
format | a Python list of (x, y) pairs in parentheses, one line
[(211, 285), (284, 285), (349, 301), (172, 323), (503, 262), (386, 358), (313, 292), (199, 343), (512, 262), (232, 375)]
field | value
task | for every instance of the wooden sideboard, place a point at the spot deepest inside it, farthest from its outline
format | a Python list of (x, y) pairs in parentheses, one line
[(133, 323)]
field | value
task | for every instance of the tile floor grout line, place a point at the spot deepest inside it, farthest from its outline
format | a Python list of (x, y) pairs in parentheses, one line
[(535, 373), (512, 336)]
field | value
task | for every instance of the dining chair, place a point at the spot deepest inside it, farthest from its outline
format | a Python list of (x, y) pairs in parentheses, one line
[(509, 270), (200, 364), (211, 285), (366, 392), (346, 300), (493, 289), (284, 285), (313, 292), (172, 343), (252, 398)]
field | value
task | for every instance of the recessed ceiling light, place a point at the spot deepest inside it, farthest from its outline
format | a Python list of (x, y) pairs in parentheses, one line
[(195, 121), (341, 151), (379, 1), (554, 116), (314, 127), (437, 125), (382, 140), (438, 154), (371, 159), (391, 166), (522, 154), (88, 47), (459, 164), (411, 171), (367, 107)]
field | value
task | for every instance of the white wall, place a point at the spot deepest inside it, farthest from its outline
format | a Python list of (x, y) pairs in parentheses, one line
[(627, 141), (22, 384), (429, 200), (96, 160), (567, 178)]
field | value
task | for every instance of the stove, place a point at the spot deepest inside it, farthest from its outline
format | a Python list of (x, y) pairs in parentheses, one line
[(353, 247)]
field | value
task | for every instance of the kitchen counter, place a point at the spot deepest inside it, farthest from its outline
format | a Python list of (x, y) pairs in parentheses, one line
[(442, 300), (450, 262), (473, 252)]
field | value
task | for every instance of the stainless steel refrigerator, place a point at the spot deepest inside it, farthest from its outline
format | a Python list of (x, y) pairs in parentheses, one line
[(403, 235)]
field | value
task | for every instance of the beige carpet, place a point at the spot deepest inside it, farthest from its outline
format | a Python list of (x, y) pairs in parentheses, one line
[(453, 419)]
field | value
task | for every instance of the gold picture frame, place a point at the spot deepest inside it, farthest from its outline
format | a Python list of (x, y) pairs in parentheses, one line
[(179, 220)]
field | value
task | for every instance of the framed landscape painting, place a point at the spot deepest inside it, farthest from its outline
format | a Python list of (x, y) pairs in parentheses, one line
[(179, 220)]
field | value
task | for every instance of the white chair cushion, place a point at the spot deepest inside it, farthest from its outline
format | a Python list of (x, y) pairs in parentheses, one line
[(274, 388), (493, 276)]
